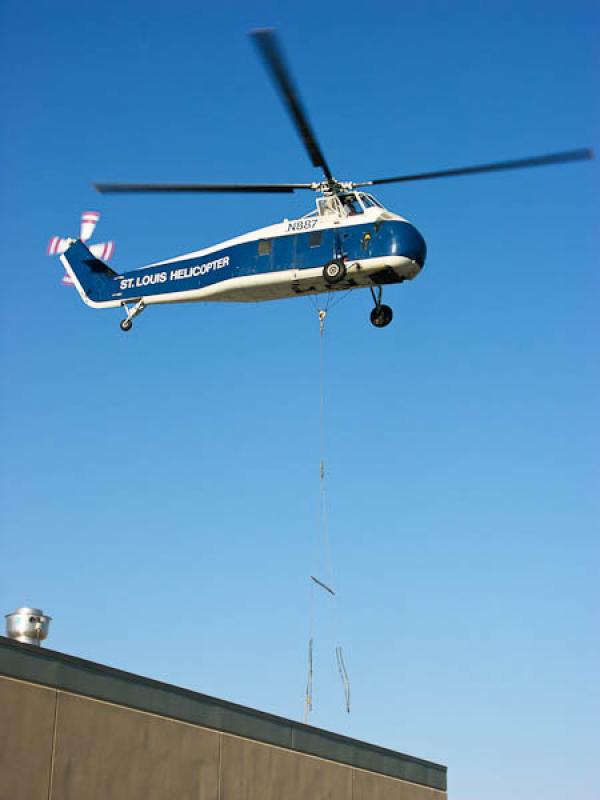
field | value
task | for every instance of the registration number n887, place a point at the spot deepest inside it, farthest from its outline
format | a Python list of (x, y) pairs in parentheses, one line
[(302, 225)]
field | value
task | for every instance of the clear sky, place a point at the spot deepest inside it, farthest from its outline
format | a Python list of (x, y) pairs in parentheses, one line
[(159, 488)]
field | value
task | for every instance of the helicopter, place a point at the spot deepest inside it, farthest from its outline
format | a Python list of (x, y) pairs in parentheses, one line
[(349, 241)]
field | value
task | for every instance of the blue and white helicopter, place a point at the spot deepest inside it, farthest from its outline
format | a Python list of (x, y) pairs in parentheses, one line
[(349, 241)]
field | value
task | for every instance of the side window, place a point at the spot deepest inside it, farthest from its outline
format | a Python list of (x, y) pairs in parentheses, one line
[(315, 239), (264, 247)]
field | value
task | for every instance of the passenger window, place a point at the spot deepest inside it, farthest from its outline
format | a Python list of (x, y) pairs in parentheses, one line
[(264, 247), (315, 239)]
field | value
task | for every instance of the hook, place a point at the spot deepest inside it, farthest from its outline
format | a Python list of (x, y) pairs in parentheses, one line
[(322, 316)]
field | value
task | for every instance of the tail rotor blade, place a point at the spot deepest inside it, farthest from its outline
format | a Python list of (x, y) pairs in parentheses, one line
[(57, 245), (89, 220), (103, 250)]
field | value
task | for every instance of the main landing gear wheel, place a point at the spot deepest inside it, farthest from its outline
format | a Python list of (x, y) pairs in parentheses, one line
[(126, 324), (381, 316), (334, 272)]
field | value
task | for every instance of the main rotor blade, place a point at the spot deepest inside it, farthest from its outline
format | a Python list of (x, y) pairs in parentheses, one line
[(498, 166), (272, 55), (246, 188)]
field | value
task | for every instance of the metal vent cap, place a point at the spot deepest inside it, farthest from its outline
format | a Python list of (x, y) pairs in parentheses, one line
[(28, 625)]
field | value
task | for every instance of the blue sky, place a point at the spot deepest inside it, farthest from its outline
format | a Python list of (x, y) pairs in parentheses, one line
[(159, 489)]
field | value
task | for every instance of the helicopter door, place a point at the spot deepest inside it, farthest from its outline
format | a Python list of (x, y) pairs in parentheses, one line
[(284, 253)]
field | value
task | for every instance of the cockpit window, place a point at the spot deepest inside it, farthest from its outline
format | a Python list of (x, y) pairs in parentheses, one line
[(328, 205), (348, 204), (351, 204), (375, 201)]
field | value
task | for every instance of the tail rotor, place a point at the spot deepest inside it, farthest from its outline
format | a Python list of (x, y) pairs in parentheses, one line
[(103, 250)]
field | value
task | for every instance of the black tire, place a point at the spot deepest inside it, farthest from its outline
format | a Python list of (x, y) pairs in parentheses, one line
[(381, 316), (126, 324), (334, 271)]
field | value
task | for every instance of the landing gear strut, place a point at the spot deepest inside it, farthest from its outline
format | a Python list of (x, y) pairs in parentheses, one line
[(127, 323), (381, 315)]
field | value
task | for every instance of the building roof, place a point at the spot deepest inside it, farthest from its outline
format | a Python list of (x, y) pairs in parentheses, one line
[(87, 678)]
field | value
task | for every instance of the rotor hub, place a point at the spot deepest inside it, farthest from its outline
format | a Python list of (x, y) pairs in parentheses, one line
[(332, 187)]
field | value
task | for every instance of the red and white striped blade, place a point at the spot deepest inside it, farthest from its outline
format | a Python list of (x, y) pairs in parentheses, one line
[(56, 246), (104, 250), (89, 220), (66, 280)]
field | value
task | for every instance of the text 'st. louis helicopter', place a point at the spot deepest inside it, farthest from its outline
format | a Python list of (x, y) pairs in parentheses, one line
[(349, 241)]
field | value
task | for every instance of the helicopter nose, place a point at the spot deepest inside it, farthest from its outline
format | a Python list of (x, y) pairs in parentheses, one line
[(410, 244)]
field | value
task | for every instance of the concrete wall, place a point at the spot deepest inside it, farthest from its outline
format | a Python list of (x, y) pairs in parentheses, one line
[(56, 745)]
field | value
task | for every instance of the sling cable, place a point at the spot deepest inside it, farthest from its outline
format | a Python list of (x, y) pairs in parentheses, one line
[(317, 585)]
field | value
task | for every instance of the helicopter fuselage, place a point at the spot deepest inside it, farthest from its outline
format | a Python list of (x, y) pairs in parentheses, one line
[(281, 260)]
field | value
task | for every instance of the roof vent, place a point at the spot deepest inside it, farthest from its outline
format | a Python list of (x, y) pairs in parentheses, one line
[(28, 625)]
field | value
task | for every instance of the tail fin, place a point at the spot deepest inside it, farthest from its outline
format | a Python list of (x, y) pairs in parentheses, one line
[(103, 251), (93, 278)]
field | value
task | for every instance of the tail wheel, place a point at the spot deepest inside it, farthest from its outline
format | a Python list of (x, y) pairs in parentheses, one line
[(381, 316), (334, 272), (126, 324)]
